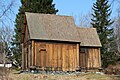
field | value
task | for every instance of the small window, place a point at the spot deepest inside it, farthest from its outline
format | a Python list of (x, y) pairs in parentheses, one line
[(42, 49), (82, 50)]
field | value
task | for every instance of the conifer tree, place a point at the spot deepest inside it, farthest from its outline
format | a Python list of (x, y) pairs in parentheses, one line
[(102, 22), (34, 6)]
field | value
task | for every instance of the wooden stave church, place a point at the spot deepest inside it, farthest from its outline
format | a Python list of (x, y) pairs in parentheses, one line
[(54, 42)]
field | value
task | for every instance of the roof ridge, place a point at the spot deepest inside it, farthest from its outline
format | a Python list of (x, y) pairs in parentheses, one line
[(85, 27), (49, 14)]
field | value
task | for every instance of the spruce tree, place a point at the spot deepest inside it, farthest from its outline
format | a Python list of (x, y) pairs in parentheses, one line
[(102, 22), (34, 6)]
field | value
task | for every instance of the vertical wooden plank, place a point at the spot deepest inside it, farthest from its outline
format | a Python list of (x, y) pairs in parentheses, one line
[(79, 59), (55, 55), (82, 60), (47, 55), (63, 58), (96, 58), (89, 58), (37, 54), (23, 55), (28, 55), (86, 58), (35, 45), (59, 55), (75, 57), (61, 48), (50, 54), (83, 56), (92, 61), (70, 57), (33, 53), (93, 58), (78, 45), (66, 57), (97, 50), (40, 54), (99, 55)]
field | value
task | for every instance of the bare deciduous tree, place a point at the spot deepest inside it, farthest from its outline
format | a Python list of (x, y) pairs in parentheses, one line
[(5, 39), (84, 20), (117, 27), (6, 8), (6, 33), (7, 13), (117, 33)]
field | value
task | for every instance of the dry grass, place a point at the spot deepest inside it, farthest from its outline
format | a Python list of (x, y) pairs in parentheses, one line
[(83, 76), (113, 69), (7, 75), (4, 73)]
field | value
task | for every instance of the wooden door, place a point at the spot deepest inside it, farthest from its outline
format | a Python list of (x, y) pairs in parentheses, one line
[(82, 58), (41, 58)]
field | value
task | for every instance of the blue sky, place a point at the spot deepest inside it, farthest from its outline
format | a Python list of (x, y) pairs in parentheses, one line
[(72, 7)]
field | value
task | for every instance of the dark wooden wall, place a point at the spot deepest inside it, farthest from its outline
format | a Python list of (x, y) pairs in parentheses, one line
[(26, 49), (90, 59)]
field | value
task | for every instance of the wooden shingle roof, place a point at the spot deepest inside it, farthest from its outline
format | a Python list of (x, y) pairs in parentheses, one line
[(60, 28), (88, 37), (51, 27)]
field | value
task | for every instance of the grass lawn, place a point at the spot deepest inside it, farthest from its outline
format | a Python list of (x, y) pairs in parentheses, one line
[(81, 76)]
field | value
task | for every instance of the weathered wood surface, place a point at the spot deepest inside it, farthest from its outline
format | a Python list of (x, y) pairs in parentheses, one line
[(33, 53), (56, 55), (23, 60), (90, 59)]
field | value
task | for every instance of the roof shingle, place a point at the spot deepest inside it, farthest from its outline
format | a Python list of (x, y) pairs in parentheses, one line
[(88, 37), (51, 27), (60, 28)]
